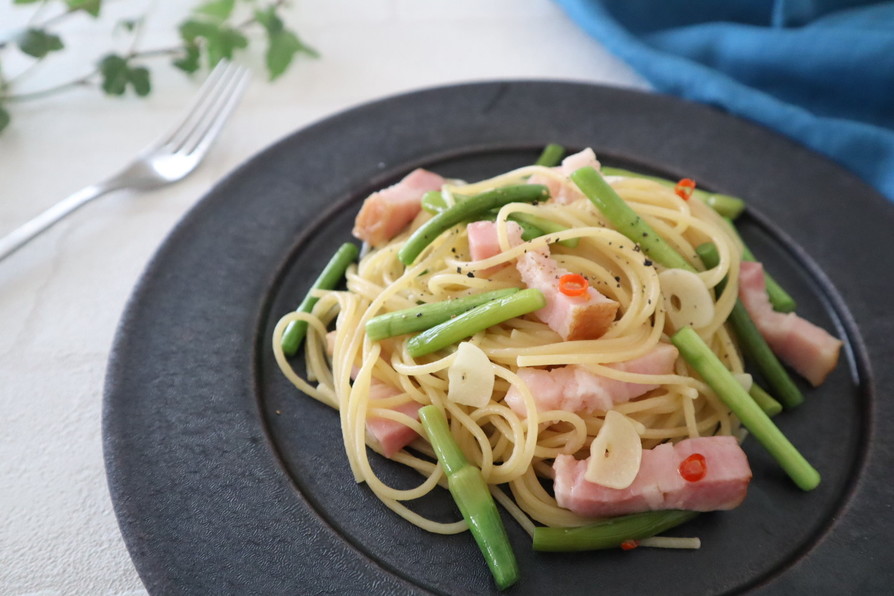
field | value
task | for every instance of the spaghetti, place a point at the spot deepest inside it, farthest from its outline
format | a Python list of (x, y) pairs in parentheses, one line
[(515, 452)]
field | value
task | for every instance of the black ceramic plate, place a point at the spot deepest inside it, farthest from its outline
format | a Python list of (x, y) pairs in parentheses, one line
[(226, 480)]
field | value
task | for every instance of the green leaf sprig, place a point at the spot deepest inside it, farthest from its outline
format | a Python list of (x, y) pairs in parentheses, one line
[(215, 30)]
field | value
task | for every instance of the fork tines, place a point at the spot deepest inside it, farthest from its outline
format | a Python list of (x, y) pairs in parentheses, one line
[(217, 97)]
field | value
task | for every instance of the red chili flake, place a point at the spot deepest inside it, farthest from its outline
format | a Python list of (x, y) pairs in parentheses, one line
[(684, 188), (694, 467), (629, 544), (572, 284)]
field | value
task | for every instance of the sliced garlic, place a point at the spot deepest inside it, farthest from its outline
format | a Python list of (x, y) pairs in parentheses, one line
[(745, 380), (686, 299), (615, 453), (470, 377)]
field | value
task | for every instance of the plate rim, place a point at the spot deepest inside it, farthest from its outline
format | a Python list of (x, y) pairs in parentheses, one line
[(122, 353)]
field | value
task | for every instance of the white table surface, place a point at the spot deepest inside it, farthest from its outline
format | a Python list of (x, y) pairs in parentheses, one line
[(62, 295)]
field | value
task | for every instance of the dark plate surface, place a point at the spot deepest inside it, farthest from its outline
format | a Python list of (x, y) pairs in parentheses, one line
[(226, 480)]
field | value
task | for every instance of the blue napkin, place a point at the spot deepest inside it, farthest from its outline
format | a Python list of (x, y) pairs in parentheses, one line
[(818, 71)]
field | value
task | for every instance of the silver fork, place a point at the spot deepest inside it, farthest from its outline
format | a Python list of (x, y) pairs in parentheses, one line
[(167, 160)]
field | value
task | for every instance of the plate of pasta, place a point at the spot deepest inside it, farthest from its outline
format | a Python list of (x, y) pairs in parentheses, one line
[(533, 337)]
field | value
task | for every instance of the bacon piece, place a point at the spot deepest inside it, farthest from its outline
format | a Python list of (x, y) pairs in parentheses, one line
[(807, 348), (565, 193), (392, 436), (579, 160), (658, 484), (484, 241), (386, 212), (555, 187), (573, 317), (576, 389)]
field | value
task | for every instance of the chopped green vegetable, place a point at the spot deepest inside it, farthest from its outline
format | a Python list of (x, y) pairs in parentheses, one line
[(697, 353), (467, 210), (767, 402), (551, 156), (753, 343), (532, 226), (545, 226), (609, 533), (472, 496), (433, 202), (330, 277), (725, 205), (779, 298), (472, 321), (626, 220), (428, 315)]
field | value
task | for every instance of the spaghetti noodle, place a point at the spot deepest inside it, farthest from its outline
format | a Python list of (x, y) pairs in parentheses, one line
[(515, 452)]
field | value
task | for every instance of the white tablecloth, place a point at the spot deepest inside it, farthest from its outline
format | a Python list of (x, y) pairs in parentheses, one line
[(62, 295)]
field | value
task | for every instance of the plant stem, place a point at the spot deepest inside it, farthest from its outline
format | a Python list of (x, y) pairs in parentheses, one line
[(83, 81)]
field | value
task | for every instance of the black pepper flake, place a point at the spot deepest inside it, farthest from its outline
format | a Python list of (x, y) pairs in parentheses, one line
[(617, 278), (637, 248), (645, 234), (647, 263), (459, 270), (418, 314), (470, 274)]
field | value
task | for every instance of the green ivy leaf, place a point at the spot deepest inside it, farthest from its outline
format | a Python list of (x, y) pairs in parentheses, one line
[(118, 74), (193, 29), (220, 41), (189, 61), (217, 9), (91, 7), (269, 20), (281, 49), (138, 77), (282, 44), (38, 43), (223, 46), (4, 118), (115, 72)]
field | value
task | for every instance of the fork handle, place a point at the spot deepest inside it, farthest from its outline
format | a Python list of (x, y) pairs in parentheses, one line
[(30, 229)]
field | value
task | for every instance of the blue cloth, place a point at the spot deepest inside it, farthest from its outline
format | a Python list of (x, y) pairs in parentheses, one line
[(818, 71)]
